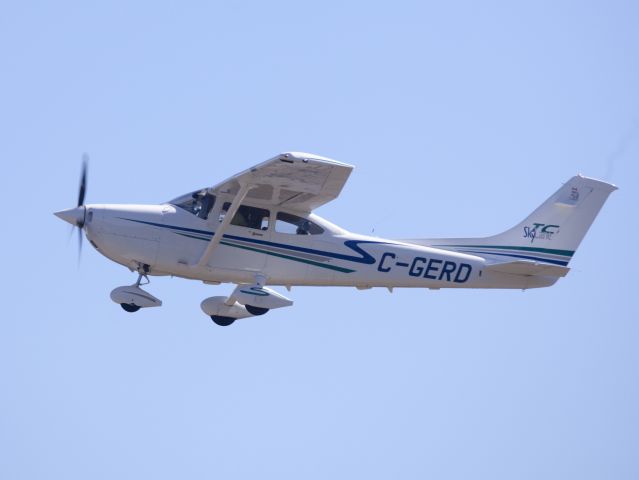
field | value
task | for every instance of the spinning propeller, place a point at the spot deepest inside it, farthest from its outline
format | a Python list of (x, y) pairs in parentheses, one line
[(77, 216)]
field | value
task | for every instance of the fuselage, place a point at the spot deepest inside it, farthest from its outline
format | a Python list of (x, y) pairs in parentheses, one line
[(256, 229), (170, 240)]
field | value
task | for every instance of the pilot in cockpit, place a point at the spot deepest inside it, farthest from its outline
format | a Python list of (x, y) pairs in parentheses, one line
[(206, 202), (304, 228), (200, 204)]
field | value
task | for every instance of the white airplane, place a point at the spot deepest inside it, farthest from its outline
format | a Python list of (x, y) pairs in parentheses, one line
[(257, 229)]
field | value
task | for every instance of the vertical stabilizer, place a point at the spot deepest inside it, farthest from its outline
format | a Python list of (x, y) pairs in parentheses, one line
[(550, 234)]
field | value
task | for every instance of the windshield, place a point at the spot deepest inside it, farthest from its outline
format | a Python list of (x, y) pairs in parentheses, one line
[(199, 203)]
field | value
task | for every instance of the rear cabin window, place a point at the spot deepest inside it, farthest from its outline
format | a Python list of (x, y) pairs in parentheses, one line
[(289, 223), (249, 217)]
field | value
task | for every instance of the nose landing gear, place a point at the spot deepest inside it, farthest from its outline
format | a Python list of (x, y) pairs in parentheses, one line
[(131, 297)]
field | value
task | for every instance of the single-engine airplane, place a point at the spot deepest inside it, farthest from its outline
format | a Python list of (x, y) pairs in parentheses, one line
[(257, 230)]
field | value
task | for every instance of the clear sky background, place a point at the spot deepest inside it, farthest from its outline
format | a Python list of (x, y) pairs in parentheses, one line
[(460, 117)]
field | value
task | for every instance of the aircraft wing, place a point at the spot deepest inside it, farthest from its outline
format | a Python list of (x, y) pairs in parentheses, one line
[(299, 181)]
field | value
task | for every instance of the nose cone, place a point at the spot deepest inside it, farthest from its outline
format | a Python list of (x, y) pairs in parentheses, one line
[(75, 216)]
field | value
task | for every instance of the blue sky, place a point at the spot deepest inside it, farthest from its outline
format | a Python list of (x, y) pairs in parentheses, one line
[(460, 117)]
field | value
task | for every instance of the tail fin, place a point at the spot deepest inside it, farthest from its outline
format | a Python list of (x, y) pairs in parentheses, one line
[(550, 234)]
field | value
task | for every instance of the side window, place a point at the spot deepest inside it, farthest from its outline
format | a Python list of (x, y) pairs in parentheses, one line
[(250, 217), (288, 223)]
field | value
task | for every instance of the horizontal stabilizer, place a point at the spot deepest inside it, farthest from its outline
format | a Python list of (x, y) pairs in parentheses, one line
[(523, 267)]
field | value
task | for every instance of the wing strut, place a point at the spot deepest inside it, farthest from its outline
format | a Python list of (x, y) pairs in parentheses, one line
[(219, 231)]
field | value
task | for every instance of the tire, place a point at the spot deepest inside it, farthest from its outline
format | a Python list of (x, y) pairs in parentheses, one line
[(129, 307), (255, 310), (222, 321)]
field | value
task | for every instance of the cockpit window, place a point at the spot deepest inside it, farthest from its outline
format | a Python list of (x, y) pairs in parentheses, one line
[(289, 223), (198, 203)]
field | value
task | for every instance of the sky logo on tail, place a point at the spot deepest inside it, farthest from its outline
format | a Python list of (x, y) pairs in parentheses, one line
[(540, 231)]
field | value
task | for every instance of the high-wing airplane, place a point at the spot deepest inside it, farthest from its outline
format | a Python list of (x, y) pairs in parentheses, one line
[(257, 230)]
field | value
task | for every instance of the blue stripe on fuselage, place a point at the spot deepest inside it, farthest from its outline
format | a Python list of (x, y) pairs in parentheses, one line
[(366, 258), (528, 257)]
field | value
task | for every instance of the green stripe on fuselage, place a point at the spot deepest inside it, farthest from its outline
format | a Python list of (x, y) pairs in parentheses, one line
[(273, 254)]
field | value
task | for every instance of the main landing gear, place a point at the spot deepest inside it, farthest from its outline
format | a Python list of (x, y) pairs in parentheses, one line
[(226, 321), (222, 321), (245, 301)]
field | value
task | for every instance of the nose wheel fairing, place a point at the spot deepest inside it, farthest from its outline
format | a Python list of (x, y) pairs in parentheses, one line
[(131, 297), (134, 295)]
